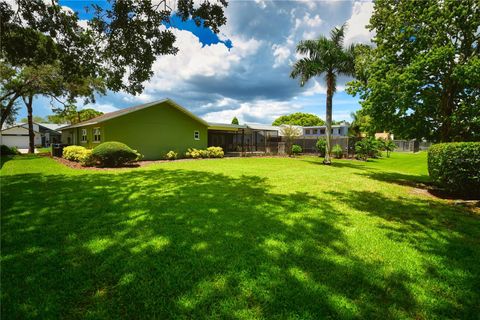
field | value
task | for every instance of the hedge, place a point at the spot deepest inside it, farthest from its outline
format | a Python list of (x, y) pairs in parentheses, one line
[(456, 166), (114, 154), (6, 150)]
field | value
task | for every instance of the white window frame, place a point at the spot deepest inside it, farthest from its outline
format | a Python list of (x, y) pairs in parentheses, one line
[(83, 138), (196, 135), (95, 135)]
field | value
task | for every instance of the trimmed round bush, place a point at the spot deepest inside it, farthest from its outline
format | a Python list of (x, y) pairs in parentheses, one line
[(74, 153), (114, 154), (296, 149), (215, 152), (456, 166)]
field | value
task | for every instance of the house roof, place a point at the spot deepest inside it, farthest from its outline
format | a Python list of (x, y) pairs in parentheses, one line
[(266, 127), (225, 126), (22, 125), (122, 112)]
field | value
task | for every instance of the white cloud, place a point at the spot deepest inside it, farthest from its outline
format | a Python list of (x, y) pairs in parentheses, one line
[(103, 107), (357, 32), (263, 111), (193, 59), (281, 54)]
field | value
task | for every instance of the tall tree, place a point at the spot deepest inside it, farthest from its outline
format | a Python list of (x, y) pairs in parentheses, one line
[(118, 48), (235, 120), (423, 78), (36, 119), (327, 57), (72, 115), (299, 119)]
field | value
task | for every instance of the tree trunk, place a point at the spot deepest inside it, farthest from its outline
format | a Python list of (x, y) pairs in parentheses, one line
[(328, 131), (31, 134), (447, 105), (8, 109)]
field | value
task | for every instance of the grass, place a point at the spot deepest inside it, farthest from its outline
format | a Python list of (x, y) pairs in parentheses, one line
[(264, 238)]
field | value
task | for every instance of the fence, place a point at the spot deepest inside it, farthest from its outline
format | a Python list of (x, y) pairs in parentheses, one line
[(276, 146), (411, 145)]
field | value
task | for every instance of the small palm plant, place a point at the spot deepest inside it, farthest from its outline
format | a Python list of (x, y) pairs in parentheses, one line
[(328, 57)]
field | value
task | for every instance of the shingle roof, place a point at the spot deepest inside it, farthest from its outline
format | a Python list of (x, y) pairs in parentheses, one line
[(115, 114)]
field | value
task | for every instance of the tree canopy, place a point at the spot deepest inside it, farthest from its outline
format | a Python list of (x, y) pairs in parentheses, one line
[(235, 120), (71, 115), (422, 79), (299, 119), (47, 50), (36, 119)]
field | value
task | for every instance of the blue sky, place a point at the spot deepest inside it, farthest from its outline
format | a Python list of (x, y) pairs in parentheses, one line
[(244, 70)]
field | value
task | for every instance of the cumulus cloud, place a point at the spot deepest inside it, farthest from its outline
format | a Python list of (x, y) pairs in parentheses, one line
[(357, 31), (250, 80), (260, 111)]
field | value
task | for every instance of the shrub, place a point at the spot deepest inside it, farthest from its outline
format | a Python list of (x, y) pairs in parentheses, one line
[(215, 152), (367, 148), (296, 149), (211, 152), (114, 154), (86, 159), (171, 155), (337, 151), (6, 150), (73, 153), (193, 153), (455, 166), (321, 147)]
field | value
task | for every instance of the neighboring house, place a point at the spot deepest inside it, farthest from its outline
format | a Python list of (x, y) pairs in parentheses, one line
[(17, 135), (319, 131), (384, 135), (153, 129)]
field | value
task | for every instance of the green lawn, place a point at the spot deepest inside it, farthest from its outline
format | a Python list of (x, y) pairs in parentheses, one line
[(258, 238)]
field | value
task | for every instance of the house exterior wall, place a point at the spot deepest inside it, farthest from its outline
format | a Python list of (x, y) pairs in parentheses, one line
[(319, 131), (152, 131)]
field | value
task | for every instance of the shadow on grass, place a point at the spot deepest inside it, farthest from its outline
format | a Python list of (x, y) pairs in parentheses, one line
[(429, 228), (188, 244)]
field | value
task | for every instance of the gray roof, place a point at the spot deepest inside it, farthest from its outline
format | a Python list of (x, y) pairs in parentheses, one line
[(52, 126), (227, 125), (266, 127), (115, 114)]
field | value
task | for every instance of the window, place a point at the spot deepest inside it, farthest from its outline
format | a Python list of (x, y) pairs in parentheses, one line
[(322, 131), (84, 135), (315, 131), (196, 135), (307, 131), (96, 135)]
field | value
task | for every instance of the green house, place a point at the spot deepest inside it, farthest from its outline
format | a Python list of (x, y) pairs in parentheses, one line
[(153, 129)]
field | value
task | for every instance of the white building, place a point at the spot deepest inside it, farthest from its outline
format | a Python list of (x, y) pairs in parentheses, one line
[(17, 135), (320, 131)]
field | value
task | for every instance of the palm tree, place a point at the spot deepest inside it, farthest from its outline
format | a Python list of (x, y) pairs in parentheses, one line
[(326, 57)]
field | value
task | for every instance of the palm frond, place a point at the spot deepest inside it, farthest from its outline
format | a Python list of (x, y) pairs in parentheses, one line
[(337, 35), (305, 69)]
